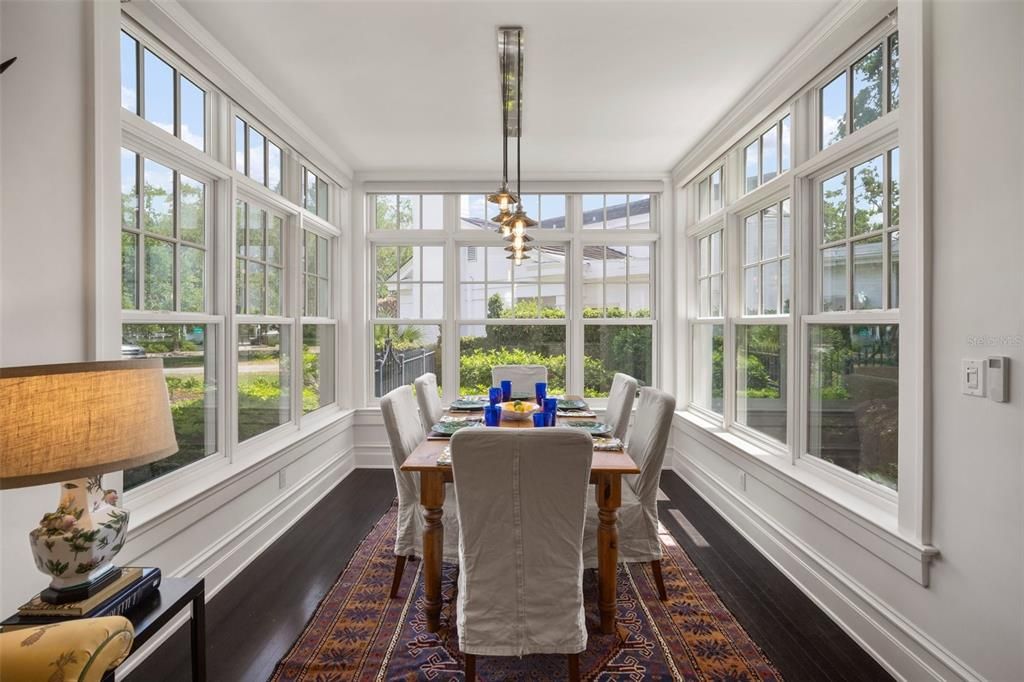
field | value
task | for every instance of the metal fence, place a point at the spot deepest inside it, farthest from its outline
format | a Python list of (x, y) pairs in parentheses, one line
[(392, 369)]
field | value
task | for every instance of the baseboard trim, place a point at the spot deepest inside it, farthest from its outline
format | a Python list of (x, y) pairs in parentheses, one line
[(907, 652), (242, 541)]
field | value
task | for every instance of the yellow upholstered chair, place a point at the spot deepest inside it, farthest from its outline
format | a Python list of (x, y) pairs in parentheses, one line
[(80, 650)]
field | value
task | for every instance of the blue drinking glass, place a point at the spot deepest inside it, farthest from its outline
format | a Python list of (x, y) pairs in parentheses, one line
[(506, 391), (492, 415), (542, 392), (540, 419), (551, 410), (495, 396)]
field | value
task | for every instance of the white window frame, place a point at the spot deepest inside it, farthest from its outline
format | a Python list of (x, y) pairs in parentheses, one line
[(454, 236), (903, 519), (216, 168)]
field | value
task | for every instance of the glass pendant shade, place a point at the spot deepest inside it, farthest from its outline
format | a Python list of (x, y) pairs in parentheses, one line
[(503, 198)]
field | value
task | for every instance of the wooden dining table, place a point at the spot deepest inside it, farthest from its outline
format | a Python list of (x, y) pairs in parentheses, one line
[(606, 471)]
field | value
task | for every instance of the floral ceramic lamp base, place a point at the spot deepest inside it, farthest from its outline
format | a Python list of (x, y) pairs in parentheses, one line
[(76, 543)]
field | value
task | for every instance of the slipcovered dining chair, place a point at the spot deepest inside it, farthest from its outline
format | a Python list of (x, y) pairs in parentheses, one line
[(638, 513), (431, 409), (524, 378), (404, 433), (620, 404), (522, 499)]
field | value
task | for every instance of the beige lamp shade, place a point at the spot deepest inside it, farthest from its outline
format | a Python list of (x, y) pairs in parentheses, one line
[(60, 422)]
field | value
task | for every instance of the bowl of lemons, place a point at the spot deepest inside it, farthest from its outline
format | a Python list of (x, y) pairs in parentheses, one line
[(518, 410)]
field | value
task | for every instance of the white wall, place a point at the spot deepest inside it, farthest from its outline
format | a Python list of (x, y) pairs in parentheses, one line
[(968, 622), (43, 268)]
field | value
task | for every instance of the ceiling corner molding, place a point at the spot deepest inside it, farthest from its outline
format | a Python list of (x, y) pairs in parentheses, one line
[(241, 84), (842, 26)]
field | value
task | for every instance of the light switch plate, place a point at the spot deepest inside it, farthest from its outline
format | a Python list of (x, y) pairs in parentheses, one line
[(972, 377)]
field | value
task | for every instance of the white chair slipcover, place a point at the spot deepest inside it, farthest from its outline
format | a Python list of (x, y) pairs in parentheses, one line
[(521, 504), (638, 514), (404, 433), (524, 378), (431, 409), (620, 404)]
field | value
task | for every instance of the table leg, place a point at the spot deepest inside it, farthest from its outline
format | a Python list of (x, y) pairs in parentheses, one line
[(609, 497), (198, 636), (432, 499)]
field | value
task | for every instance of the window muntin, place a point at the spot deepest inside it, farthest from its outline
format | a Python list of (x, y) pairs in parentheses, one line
[(707, 366), (856, 235), (129, 73), (853, 418), (710, 266), (402, 352), (316, 275), (549, 210), (314, 193), (709, 194), (862, 93), (617, 281), (187, 351), (264, 378), (259, 261), (163, 242), (616, 286), (318, 356), (491, 287), (257, 156), (617, 211), (766, 260), (409, 282), (768, 155), (408, 211), (156, 90), (761, 378)]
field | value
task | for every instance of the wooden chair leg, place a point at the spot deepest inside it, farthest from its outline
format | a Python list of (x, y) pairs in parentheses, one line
[(656, 569), (397, 580), (574, 668), (470, 668)]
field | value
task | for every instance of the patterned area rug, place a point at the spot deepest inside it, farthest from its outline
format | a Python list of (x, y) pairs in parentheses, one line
[(357, 633)]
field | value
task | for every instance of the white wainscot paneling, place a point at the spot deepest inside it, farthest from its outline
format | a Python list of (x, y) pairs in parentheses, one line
[(831, 562), (223, 529)]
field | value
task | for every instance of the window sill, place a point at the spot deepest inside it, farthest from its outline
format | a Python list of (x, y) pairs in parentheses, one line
[(866, 518), (177, 491)]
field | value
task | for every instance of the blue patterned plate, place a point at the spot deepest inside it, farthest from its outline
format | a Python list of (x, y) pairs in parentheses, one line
[(469, 404), (448, 428), (570, 404), (593, 428)]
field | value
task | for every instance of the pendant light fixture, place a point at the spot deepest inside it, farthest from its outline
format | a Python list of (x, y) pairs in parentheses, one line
[(503, 197), (513, 223)]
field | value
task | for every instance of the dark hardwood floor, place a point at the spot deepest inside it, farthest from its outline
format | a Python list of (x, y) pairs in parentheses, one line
[(253, 621)]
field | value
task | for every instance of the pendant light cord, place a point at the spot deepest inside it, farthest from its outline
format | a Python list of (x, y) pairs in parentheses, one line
[(504, 112), (519, 115)]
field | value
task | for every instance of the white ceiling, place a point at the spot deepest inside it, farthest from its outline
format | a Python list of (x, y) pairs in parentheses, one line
[(412, 86)]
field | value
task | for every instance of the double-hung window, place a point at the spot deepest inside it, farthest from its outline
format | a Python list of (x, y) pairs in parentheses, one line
[(443, 286), (166, 245), (223, 279), (408, 311), (794, 317)]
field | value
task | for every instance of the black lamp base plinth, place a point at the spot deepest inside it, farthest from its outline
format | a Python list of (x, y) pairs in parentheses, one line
[(80, 592)]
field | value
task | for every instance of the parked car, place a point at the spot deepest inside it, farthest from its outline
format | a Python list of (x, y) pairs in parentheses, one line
[(130, 351)]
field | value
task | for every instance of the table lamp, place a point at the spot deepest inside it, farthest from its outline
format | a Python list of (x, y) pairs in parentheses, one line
[(70, 424)]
